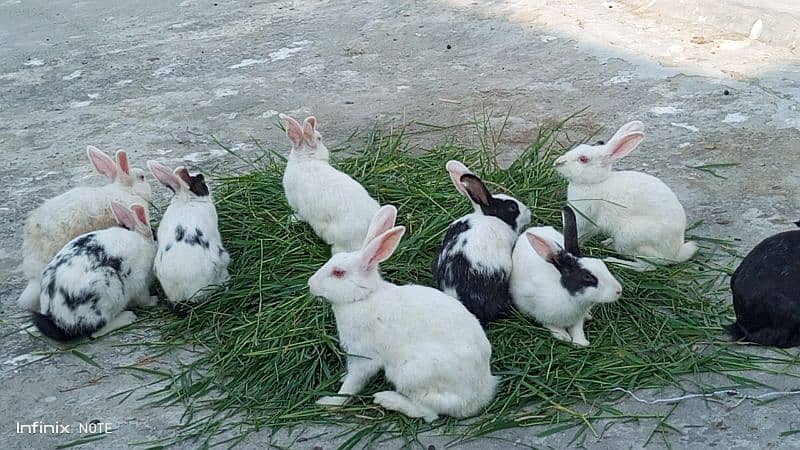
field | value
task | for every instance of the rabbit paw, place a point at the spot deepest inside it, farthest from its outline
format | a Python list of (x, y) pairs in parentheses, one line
[(560, 334), (294, 218), (607, 242), (332, 400), (581, 342)]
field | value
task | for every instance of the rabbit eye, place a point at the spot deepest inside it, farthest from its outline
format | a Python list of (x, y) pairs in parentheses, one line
[(141, 177), (584, 159), (338, 273)]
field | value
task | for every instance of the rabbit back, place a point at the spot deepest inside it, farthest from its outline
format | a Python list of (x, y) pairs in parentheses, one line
[(190, 254), (765, 295), (94, 277), (335, 205), (474, 265), (60, 219)]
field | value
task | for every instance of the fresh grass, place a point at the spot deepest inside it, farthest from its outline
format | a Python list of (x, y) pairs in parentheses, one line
[(267, 349)]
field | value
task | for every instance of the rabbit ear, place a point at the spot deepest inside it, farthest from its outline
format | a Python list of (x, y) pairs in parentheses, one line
[(456, 170), (570, 231), (381, 248), (476, 190), (164, 175), (627, 138), (102, 162), (122, 162), (293, 130), (309, 133), (382, 221), (546, 248), (141, 214), (124, 216)]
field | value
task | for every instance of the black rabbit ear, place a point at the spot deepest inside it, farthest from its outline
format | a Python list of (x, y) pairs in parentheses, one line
[(476, 190), (570, 232)]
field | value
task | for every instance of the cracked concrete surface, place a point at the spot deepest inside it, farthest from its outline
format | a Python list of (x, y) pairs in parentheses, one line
[(159, 78)]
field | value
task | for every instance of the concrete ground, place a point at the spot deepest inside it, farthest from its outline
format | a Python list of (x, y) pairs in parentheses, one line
[(158, 78)]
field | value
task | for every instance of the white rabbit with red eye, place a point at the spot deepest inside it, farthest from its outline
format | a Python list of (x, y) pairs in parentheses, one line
[(429, 346), (335, 205), (77, 211), (554, 284), (96, 276), (190, 254), (640, 214)]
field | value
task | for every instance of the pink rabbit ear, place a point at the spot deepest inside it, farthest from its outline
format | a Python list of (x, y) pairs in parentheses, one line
[(294, 131), (122, 162), (456, 170), (164, 175), (102, 162), (627, 138), (546, 248), (381, 222), (309, 133), (381, 248), (141, 214), (125, 216), (620, 147)]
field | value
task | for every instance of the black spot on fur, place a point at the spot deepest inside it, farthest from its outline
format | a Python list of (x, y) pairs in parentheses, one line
[(198, 238), (504, 209), (484, 294), (180, 232), (88, 246), (168, 247), (574, 278), (197, 185), (55, 330), (765, 295), (75, 299)]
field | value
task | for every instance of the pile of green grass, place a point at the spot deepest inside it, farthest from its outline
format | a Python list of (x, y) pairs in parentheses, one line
[(269, 349)]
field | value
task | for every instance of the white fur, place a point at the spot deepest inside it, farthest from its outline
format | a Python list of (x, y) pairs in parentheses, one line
[(77, 211), (643, 217), (185, 269), (71, 272), (536, 289), (336, 206), (430, 347)]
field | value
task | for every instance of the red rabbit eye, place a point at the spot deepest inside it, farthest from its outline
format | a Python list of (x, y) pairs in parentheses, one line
[(584, 159), (338, 273)]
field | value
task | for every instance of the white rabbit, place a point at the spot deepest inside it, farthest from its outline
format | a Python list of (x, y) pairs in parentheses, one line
[(474, 262), (430, 347), (96, 276), (551, 282), (190, 254), (336, 206), (640, 214), (77, 211)]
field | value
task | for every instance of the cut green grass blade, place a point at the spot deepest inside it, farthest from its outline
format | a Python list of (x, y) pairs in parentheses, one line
[(269, 349)]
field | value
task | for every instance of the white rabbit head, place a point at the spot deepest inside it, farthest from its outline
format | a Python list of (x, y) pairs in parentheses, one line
[(306, 140), (589, 164), (120, 172), (134, 218), (350, 277), (504, 207)]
